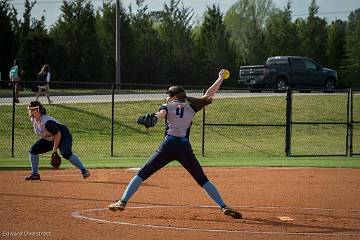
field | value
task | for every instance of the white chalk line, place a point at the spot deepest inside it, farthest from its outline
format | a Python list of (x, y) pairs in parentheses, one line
[(78, 214), (79, 174), (207, 169)]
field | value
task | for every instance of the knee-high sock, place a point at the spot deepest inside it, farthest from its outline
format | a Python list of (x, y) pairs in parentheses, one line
[(131, 188), (211, 190), (76, 162), (34, 160)]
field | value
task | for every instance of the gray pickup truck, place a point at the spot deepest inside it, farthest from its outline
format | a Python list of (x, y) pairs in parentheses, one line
[(283, 71)]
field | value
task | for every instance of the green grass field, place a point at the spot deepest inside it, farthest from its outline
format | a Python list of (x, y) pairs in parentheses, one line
[(116, 162), (90, 124)]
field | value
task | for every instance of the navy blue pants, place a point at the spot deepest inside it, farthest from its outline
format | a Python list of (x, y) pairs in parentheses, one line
[(174, 148), (43, 146)]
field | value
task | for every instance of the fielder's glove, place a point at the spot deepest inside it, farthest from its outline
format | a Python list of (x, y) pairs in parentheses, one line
[(148, 120), (55, 160)]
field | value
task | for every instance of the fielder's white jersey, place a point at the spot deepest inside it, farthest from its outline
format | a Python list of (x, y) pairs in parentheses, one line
[(179, 118), (39, 127)]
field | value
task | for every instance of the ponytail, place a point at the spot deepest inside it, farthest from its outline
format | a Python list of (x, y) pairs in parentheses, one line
[(179, 92), (199, 103)]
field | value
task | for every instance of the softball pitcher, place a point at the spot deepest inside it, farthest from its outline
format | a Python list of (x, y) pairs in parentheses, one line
[(53, 136), (178, 112)]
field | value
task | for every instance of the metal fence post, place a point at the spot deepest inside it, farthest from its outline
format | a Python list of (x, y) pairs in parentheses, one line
[(112, 119), (347, 140), (288, 122), (203, 132), (351, 121), (13, 122)]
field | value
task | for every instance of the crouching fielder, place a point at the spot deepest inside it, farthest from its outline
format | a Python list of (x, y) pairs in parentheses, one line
[(53, 136), (178, 111)]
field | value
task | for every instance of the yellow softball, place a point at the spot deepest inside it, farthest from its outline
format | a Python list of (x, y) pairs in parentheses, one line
[(226, 74)]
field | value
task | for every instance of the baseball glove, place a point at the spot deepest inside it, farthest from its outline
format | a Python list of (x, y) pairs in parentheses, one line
[(148, 120), (55, 160)]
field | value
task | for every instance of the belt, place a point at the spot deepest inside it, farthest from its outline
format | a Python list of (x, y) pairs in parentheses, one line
[(181, 139)]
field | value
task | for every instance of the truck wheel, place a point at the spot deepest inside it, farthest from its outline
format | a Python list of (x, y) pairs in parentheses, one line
[(330, 85), (281, 84)]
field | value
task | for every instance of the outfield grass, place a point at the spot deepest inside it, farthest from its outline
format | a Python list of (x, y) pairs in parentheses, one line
[(90, 124), (332, 162)]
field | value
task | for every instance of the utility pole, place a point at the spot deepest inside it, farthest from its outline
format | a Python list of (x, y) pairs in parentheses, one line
[(118, 78)]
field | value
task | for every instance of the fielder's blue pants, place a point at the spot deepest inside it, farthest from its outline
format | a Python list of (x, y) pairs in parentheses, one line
[(43, 146)]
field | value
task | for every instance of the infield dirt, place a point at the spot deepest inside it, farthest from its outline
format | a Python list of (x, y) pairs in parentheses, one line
[(276, 203)]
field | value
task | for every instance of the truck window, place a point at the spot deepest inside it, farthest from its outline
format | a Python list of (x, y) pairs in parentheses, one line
[(310, 65), (297, 63), (280, 61), (270, 62), (283, 61)]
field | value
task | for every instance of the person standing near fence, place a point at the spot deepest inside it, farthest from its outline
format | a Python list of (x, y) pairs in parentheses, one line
[(53, 136), (15, 75), (43, 78), (178, 111)]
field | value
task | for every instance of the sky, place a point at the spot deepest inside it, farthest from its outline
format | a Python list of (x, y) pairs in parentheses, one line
[(329, 9)]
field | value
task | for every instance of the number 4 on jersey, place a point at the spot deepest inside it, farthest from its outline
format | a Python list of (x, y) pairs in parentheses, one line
[(180, 111)]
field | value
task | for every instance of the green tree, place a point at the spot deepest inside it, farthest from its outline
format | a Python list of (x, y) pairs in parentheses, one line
[(213, 45), (177, 44), (147, 52), (245, 21), (75, 31), (280, 33), (352, 62), (38, 25), (35, 45), (313, 35), (335, 52), (36, 51), (106, 30), (9, 40), (26, 23)]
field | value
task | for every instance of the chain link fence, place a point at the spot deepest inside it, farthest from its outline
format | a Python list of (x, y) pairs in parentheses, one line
[(246, 123), (355, 118), (86, 111), (320, 123), (102, 120)]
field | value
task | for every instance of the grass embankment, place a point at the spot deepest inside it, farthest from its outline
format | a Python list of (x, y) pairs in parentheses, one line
[(90, 124)]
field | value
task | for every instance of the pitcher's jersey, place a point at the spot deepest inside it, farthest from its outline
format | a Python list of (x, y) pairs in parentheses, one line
[(48, 127), (179, 118)]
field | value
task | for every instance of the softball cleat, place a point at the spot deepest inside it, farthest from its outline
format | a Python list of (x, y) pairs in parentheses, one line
[(228, 211), (34, 176), (117, 206), (85, 173)]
